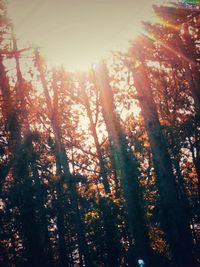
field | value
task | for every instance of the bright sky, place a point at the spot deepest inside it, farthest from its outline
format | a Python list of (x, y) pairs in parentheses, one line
[(77, 33)]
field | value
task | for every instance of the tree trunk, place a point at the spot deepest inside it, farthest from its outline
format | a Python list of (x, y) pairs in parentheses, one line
[(62, 161), (174, 221), (103, 172), (33, 250), (127, 169)]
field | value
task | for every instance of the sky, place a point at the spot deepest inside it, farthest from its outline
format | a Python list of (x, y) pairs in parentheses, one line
[(78, 33)]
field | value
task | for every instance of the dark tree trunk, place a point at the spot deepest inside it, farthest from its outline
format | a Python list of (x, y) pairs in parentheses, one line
[(63, 163), (174, 220), (127, 169), (21, 177), (103, 171)]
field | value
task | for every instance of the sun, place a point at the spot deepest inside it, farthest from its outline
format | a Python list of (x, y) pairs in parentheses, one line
[(78, 33)]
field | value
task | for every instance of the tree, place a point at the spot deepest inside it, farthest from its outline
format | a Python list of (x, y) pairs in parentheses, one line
[(174, 221)]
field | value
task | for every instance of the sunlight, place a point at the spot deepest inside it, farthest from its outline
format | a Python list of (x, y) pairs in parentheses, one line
[(78, 33), (178, 53), (165, 23)]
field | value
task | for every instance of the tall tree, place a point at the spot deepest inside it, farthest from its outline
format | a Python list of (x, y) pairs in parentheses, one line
[(62, 165), (127, 169), (174, 220)]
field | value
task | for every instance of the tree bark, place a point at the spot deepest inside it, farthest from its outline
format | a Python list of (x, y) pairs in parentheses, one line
[(174, 221), (62, 161), (103, 172), (127, 169)]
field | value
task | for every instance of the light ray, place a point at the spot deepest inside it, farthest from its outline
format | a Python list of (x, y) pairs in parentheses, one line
[(172, 50), (31, 12)]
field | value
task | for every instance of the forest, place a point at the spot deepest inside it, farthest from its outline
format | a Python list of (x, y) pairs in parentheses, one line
[(102, 168)]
